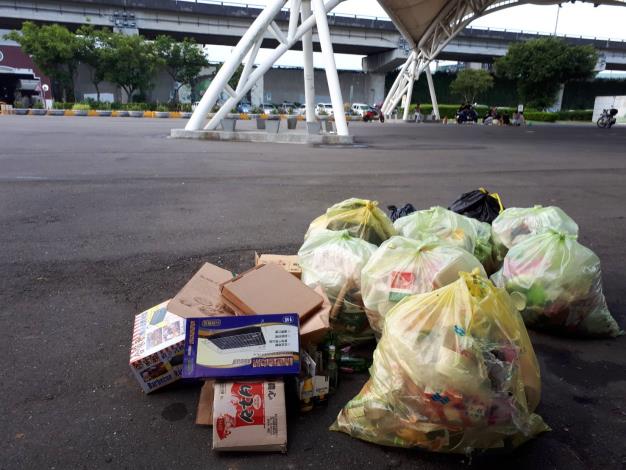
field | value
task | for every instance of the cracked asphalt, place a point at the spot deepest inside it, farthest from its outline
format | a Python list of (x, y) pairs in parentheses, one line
[(104, 217)]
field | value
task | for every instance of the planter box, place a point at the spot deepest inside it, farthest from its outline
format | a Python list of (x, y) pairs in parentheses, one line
[(328, 125), (161, 114), (292, 122), (103, 113), (56, 112), (260, 123), (20, 111), (185, 114), (38, 112), (272, 126), (80, 112), (122, 113), (135, 114), (229, 124), (313, 128)]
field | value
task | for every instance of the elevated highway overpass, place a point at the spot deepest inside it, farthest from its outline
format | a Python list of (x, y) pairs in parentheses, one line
[(224, 24)]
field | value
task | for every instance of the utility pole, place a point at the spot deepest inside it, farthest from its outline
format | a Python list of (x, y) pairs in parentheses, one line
[(556, 23)]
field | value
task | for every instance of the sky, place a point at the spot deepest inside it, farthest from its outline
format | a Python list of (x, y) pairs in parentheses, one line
[(579, 19)]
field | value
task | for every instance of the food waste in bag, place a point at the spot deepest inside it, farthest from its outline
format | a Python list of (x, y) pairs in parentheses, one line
[(360, 217), (516, 223), (334, 260), (440, 223), (403, 267), (561, 282), (483, 250), (454, 372)]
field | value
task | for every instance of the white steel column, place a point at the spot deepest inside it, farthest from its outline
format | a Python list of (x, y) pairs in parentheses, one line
[(309, 72), (431, 89), (409, 92), (228, 67), (331, 68), (396, 84)]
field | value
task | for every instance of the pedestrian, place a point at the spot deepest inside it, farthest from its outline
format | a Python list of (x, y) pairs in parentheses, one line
[(418, 113)]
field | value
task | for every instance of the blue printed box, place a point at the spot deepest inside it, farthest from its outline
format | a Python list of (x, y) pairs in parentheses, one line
[(242, 346)]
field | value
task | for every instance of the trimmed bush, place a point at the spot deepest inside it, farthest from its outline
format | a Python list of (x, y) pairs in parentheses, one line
[(541, 116)]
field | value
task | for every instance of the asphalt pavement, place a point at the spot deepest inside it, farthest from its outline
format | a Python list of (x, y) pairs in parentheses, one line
[(102, 218)]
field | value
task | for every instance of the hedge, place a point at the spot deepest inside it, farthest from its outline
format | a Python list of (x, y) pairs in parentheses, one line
[(449, 111)]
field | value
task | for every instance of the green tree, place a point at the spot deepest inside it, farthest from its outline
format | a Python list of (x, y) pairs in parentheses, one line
[(541, 66), (131, 63), (183, 60), (470, 83), (54, 49), (93, 51)]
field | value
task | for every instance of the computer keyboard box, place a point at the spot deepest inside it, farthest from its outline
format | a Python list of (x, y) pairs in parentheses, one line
[(242, 346)]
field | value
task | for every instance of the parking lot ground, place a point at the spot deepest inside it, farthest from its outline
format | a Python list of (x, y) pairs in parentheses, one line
[(104, 217)]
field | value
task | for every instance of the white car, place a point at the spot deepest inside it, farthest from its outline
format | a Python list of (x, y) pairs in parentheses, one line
[(301, 110), (327, 107), (267, 108), (360, 108)]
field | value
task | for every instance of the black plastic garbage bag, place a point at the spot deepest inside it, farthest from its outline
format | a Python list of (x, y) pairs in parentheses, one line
[(395, 213), (478, 204)]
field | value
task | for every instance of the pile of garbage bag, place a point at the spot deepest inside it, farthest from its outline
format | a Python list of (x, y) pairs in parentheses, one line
[(403, 267), (360, 217), (454, 372), (561, 282), (334, 260), (478, 204)]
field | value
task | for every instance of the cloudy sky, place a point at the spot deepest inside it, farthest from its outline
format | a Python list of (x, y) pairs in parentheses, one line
[(578, 19)]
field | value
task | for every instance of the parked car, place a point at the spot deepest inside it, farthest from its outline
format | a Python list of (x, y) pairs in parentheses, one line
[(301, 110), (360, 109), (267, 108), (326, 107), (244, 107)]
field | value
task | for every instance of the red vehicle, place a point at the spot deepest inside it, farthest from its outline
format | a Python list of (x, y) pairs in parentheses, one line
[(372, 114)]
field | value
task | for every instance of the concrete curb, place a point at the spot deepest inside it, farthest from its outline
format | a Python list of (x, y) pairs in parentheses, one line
[(251, 136)]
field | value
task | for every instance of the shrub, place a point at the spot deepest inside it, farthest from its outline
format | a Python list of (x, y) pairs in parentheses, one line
[(81, 107), (162, 108), (58, 105), (37, 105), (579, 115), (136, 107), (541, 116)]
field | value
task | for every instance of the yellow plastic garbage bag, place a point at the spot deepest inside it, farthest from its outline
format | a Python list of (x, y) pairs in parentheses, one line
[(334, 260), (516, 223), (360, 217), (561, 281), (403, 267), (454, 372), (440, 223)]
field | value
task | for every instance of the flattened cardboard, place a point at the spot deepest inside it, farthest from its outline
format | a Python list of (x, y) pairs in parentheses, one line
[(201, 297), (290, 263), (250, 416), (156, 353), (268, 288), (204, 415), (314, 329)]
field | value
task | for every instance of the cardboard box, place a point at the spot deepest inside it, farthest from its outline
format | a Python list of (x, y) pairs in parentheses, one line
[(156, 354), (314, 329), (243, 346), (290, 263), (204, 415), (250, 416), (201, 297), (269, 289)]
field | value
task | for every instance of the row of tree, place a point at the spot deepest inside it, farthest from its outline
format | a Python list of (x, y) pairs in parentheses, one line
[(539, 67), (128, 61)]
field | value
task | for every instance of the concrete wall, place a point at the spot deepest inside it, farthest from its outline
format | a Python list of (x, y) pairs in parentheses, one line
[(286, 84)]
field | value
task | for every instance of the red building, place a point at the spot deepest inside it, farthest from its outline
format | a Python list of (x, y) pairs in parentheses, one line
[(19, 76)]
